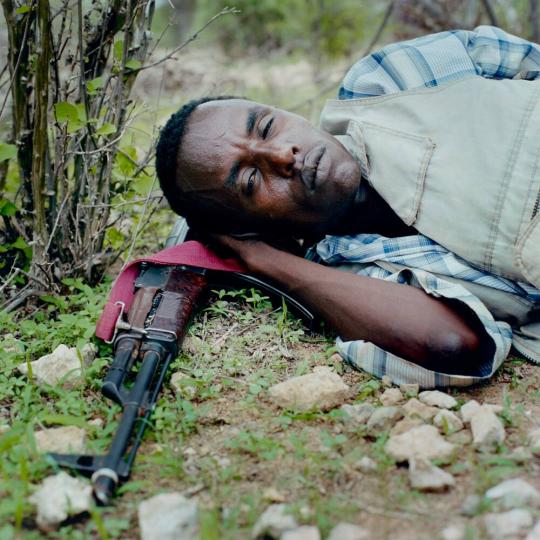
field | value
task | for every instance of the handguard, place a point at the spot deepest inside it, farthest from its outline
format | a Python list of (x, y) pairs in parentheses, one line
[(152, 303)]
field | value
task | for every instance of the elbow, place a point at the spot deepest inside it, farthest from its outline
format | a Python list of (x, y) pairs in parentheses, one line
[(455, 352)]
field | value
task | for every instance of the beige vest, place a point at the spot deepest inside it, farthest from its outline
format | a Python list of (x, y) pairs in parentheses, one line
[(459, 162)]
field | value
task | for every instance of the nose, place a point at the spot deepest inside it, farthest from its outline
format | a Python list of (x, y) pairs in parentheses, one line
[(282, 158)]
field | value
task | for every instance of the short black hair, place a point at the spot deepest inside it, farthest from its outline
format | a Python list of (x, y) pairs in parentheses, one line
[(198, 212)]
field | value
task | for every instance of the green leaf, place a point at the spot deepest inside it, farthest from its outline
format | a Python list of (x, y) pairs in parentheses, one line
[(94, 85), (118, 50), (81, 112), (114, 238), (7, 151), (142, 185), (23, 246), (66, 112), (106, 129), (7, 208), (124, 164), (133, 64), (22, 10)]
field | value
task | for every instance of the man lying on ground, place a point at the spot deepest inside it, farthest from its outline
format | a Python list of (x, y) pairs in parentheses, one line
[(425, 179)]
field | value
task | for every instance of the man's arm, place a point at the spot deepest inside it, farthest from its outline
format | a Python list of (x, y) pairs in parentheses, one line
[(400, 319), (438, 58)]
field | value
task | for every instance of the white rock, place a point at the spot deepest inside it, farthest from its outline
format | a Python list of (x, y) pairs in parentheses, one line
[(435, 398), (533, 439), (414, 407), (321, 390), (391, 397), (534, 533), (273, 522), (348, 531), (508, 525), (520, 454), (61, 440), (359, 413), (386, 381), (306, 532), (383, 419), (183, 385), (454, 532), (410, 389), (420, 442), (59, 497), (271, 494), (168, 516), (487, 430), (513, 493), (468, 409), (365, 465), (448, 421), (427, 477), (63, 364), (406, 424)]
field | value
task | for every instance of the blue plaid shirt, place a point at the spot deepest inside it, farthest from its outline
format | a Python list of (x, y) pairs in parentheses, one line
[(416, 260)]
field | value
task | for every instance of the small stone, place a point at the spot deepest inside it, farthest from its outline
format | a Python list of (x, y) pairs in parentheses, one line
[(520, 454), (321, 390), (305, 532), (461, 438), (63, 364), (59, 497), (468, 409), (271, 494), (10, 344), (96, 422), (508, 525), (425, 476), (413, 407), (391, 397), (435, 398), (487, 430), (534, 533), (273, 522), (183, 385), (61, 440), (4, 427), (533, 439), (410, 389), (168, 516), (454, 532), (472, 505), (420, 442), (365, 465), (406, 424), (348, 531), (358, 413), (383, 419), (448, 421), (513, 493), (386, 381)]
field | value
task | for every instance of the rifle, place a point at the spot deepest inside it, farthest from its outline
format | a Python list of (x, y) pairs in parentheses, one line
[(149, 338)]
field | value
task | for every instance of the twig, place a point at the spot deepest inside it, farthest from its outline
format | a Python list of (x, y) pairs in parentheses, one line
[(224, 11), (380, 29), (490, 12), (18, 59)]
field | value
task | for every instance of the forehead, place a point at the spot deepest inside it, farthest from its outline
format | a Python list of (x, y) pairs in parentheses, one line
[(212, 130)]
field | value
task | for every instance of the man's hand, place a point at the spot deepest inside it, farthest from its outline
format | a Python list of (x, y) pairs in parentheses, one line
[(252, 251)]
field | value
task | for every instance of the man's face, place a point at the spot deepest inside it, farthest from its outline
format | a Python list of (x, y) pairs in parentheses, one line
[(270, 165)]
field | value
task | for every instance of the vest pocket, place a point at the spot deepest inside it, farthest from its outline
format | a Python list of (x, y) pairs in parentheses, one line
[(528, 252), (397, 165)]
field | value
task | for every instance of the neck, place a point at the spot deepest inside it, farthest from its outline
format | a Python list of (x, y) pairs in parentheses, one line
[(370, 213)]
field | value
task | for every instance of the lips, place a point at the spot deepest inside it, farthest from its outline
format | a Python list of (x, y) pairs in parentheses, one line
[(311, 170)]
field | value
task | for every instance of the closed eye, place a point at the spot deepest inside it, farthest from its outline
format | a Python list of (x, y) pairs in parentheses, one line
[(266, 129)]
